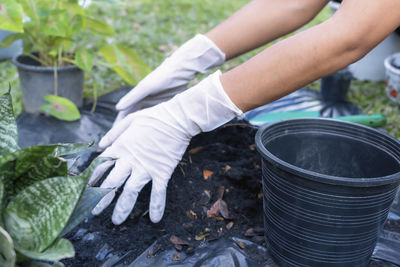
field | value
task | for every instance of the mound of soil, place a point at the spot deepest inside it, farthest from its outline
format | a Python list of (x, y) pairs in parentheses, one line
[(220, 165)]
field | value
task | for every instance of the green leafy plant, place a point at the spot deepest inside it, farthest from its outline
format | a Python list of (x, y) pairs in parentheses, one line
[(51, 32), (40, 198)]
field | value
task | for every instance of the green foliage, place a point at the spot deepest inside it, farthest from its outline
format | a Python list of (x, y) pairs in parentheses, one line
[(51, 35), (53, 29), (39, 200), (61, 108)]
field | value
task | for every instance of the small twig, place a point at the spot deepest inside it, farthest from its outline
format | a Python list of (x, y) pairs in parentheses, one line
[(183, 172)]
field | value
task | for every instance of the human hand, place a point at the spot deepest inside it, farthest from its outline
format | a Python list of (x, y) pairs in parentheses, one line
[(197, 55), (149, 144)]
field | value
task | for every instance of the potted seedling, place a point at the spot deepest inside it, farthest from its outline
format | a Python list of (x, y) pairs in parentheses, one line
[(40, 198), (52, 65)]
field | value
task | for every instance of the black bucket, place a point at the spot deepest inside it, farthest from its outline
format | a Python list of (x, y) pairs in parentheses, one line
[(328, 186)]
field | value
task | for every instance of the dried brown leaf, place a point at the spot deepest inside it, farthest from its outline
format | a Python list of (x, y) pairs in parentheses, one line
[(191, 214), (196, 150), (241, 244), (176, 256), (223, 209), (178, 241), (214, 210), (201, 236), (229, 225), (249, 232), (227, 168), (207, 174)]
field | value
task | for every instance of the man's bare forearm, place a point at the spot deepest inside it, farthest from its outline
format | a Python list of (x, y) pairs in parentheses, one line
[(262, 21)]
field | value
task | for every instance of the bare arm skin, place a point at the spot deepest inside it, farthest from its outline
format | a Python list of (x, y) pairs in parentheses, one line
[(262, 21), (294, 62)]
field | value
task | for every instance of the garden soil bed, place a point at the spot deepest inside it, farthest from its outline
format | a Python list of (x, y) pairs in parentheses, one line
[(220, 163)]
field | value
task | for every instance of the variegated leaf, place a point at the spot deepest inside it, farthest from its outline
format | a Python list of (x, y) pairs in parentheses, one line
[(69, 149), (38, 214), (8, 126), (7, 253), (89, 200), (44, 168), (60, 249)]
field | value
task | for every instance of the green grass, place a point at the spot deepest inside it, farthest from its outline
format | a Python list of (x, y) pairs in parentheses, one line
[(156, 28)]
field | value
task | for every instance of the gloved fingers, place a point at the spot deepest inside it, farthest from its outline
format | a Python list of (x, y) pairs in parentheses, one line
[(104, 202), (99, 171), (122, 114), (157, 199), (126, 201), (116, 131), (114, 180), (133, 97), (118, 174)]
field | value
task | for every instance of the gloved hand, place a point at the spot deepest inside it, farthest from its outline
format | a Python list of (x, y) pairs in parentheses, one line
[(197, 55), (149, 144)]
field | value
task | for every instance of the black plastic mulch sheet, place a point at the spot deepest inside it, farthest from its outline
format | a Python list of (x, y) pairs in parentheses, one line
[(39, 129)]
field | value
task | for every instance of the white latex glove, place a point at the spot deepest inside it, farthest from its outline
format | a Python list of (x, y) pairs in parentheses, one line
[(197, 55), (149, 144)]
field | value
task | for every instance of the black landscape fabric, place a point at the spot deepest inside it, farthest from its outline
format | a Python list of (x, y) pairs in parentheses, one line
[(220, 165)]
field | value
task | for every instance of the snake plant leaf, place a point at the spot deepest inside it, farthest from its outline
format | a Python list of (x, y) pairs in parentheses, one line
[(44, 168), (69, 149), (60, 249), (11, 39), (38, 214), (84, 60), (60, 107), (125, 62), (7, 253), (8, 126), (11, 16), (89, 200), (99, 26)]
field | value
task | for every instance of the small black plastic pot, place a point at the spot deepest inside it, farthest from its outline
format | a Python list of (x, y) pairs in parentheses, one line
[(334, 87), (328, 186), (37, 81)]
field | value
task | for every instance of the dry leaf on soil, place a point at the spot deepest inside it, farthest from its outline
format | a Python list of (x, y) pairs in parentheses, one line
[(207, 174)]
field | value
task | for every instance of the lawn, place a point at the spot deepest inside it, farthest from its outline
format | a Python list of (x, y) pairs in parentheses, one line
[(155, 28)]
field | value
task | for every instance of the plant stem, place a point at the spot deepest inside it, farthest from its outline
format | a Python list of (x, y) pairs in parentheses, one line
[(94, 99), (55, 79), (37, 59)]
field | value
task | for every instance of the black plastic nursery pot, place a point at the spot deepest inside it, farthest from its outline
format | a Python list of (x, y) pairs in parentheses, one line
[(328, 186), (37, 81)]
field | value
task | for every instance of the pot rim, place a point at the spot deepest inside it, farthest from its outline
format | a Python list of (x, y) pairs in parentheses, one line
[(324, 178), (28, 67), (389, 66)]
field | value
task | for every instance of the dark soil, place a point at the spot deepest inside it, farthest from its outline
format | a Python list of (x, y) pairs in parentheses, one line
[(229, 153)]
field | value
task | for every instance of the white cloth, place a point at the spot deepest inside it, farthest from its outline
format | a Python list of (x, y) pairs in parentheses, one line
[(149, 144), (197, 55)]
